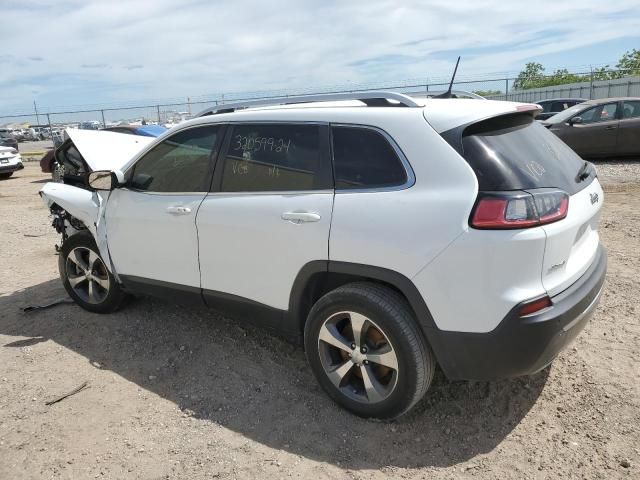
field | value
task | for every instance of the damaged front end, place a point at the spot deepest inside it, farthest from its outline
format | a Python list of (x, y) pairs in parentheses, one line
[(75, 209)]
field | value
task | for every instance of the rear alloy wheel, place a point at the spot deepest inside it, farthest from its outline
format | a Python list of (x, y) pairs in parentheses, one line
[(86, 277), (357, 357), (367, 351)]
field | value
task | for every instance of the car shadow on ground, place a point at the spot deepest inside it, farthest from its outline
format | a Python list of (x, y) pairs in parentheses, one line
[(244, 379)]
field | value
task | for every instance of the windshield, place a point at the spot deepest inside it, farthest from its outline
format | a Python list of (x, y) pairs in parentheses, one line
[(567, 114)]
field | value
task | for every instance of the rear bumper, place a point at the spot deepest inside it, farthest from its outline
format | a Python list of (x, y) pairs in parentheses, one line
[(11, 167), (524, 345)]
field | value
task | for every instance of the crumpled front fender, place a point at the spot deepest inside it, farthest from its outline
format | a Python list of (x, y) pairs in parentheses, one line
[(86, 206), (82, 204)]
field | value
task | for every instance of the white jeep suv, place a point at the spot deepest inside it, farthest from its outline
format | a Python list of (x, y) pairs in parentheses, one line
[(392, 234)]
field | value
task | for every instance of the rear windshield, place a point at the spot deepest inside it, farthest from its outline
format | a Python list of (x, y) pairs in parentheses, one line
[(514, 152)]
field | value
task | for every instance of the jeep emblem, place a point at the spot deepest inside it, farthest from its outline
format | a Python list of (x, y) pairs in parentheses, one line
[(594, 198)]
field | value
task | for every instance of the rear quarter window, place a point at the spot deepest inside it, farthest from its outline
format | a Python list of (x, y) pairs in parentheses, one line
[(364, 159), (514, 152)]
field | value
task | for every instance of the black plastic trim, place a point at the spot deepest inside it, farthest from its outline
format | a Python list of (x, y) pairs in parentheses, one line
[(517, 346), (241, 308), (172, 292)]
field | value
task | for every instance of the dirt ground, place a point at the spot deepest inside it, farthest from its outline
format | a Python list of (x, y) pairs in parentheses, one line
[(177, 392)]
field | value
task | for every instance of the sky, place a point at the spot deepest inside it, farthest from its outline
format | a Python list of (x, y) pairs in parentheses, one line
[(69, 54)]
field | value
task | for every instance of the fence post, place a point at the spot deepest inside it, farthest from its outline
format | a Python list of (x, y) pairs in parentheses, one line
[(591, 85), (629, 88), (104, 124), (158, 109), (50, 131), (506, 88)]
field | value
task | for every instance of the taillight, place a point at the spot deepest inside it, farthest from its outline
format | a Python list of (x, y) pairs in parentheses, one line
[(508, 210), (534, 306)]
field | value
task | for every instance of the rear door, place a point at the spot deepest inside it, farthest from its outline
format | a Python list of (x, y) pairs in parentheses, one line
[(597, 133), (629, 128), (268, 214)]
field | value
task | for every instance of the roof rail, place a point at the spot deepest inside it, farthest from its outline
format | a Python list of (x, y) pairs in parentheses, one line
[(371, 99)]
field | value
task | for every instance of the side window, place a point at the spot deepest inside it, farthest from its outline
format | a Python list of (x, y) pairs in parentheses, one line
[(609, 112), (179, 164), (631, 109), (599, 113), (546, 107), (275, 157), (363, 158), (558, 106)]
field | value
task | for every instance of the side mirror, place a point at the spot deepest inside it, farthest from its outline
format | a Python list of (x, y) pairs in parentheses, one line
[(102, 180), (575, 120)]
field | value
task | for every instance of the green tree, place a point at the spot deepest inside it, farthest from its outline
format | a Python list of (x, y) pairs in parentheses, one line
[(630, 63), (532, 74)]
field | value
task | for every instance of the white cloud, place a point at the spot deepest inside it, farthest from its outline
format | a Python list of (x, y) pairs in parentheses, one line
[(92, 52)]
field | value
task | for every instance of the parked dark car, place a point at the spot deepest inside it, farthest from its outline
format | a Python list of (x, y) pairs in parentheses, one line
[(556, 105), (143, 130), (598, 128), (8, 140)]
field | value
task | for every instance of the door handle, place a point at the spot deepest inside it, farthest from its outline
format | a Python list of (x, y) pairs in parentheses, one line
[(610, 127), (300, 217), (178, 210)]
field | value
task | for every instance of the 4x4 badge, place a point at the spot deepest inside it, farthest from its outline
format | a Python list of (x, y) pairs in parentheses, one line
[(594, 198)]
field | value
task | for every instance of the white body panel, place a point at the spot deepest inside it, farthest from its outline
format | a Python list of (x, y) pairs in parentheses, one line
[(146, 240), (248, 249), (405, 229), (9, 157), (107, 150), (572, 243), (475, 282)]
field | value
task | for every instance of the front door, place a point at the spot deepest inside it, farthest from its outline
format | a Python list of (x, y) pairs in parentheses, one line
[(269, 212), (597, 133), (151, 223)]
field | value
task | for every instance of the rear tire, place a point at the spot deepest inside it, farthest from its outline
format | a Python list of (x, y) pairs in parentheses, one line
[(4, 176), (381, 372), (85, 276)]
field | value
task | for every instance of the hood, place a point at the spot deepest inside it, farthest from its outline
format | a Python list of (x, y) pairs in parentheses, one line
[(107, 150), (8, 150)]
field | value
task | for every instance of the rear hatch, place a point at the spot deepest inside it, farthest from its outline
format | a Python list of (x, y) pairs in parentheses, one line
[(512, 154)]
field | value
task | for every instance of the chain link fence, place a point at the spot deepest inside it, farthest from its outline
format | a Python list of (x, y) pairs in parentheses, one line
[(52, 123)]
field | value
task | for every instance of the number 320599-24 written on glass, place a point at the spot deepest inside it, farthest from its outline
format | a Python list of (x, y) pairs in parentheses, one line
[(265, 144)]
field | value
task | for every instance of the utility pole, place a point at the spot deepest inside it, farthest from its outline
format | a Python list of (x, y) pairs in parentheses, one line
[(35, 107), (50, 130)]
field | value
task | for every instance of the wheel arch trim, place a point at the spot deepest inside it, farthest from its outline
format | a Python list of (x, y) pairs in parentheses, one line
[(305, 279)]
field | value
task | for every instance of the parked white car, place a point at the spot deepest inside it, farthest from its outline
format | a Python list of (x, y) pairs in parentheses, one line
[(10, 162), (391, 234)]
